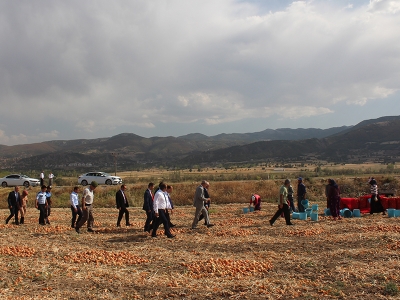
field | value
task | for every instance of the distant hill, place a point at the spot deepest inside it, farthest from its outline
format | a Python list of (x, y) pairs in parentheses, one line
[(372, 139), (378, 141), (269, 134)]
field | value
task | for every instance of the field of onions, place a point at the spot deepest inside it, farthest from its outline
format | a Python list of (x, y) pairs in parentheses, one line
[(241, 257)]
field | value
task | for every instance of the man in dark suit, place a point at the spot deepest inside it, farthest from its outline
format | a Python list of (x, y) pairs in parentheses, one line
[(122, 204), (148, 207), (14, 199)]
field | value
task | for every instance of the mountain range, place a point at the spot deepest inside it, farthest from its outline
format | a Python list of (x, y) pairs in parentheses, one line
[(370, 140)]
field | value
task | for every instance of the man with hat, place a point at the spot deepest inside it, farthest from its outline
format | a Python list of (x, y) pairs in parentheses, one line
[(87, 208), (301, 194)]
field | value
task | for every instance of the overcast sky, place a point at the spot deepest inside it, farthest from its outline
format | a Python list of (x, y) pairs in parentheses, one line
[(87, 69)]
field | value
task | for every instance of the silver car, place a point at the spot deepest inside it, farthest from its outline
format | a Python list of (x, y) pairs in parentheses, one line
[(18, 179), (99, 177)]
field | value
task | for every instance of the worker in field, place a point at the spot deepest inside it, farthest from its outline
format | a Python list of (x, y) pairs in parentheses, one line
[(256, 201), (283, 206), (301, 194)]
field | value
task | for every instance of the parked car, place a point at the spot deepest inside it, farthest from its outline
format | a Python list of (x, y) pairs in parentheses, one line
[(99, 177), (18, 179)]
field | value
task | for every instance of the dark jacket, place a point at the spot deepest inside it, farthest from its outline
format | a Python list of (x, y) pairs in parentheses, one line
[(301, 191), (12, 200), (148, 201), (119, 199)]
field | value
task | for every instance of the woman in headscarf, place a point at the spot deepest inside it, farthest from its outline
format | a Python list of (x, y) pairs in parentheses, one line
[(334, 199), (376, 205)]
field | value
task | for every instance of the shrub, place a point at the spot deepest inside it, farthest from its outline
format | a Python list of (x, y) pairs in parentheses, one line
[(391, 289)]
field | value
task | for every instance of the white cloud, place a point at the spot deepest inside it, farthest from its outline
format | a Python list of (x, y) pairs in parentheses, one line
[(97, 66), (24, 139)]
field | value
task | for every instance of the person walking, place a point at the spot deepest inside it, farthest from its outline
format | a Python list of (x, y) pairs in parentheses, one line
[(41, 204), (87, 208), (207, 204), (161, 205), (13, 200), (75, 209), (168, 193), (148, 207), (122, 205), (301, 194), (198, 202), (334, 199), (290, 198), (283, 206), (23, 204)]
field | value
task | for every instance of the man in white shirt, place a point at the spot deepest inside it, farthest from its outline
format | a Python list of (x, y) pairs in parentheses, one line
[(161, 206), (75, 209), (51, 176), (42, 178), (87, 208)]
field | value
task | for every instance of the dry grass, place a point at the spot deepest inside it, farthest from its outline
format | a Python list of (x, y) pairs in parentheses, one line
[(222, 192), (242, 257)]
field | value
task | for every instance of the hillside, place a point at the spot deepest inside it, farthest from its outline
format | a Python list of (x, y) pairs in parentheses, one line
[(379, 141), (369, 140)]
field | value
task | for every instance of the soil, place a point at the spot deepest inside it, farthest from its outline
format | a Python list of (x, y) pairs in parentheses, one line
[(241, 257)]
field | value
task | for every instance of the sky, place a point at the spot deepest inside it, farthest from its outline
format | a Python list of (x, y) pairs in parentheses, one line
[(97, 68)]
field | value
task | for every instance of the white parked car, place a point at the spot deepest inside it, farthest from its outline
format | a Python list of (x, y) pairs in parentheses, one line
[(99, 177), (18, 179)]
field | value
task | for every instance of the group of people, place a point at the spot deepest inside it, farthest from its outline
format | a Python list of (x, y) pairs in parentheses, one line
[(159, 206), (51, 178), (285, 200), (17, 205), (332, 193)]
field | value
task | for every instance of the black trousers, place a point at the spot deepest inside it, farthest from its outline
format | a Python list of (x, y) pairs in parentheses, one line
[(162, 218), (13, 213), (74, 214), (291, 201), (299, 205), (376, 205), (169, 219), (149, 219), (42, 213), (123, 211), (48, 210), (285, 211)]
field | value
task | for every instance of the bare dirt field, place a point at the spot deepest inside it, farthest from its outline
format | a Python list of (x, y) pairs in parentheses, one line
[(241, 257)]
